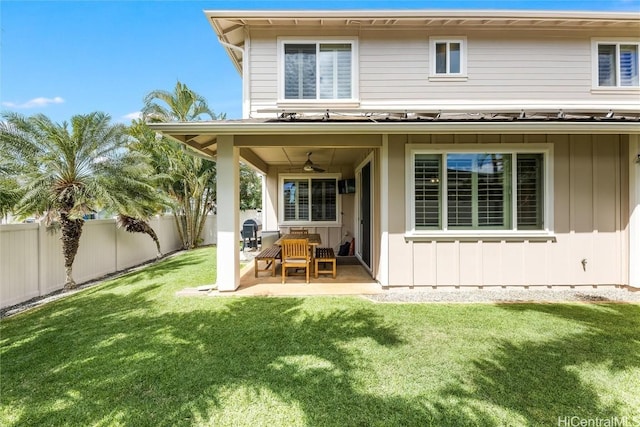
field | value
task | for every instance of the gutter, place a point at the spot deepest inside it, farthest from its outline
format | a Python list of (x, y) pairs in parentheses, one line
[(318, 127)]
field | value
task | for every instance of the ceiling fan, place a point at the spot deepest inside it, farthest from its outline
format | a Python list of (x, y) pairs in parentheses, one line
[(309, 166)]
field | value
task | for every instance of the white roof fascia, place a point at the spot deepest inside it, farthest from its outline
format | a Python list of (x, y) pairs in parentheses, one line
[(422, 13), (433, 127)]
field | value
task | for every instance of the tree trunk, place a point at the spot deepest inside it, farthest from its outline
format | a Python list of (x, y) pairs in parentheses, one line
[(135, 225), (71, 229), (204, 208), (178, 221), (188, 215)]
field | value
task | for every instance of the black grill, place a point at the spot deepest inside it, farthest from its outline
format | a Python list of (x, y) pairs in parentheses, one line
[(251, 233)]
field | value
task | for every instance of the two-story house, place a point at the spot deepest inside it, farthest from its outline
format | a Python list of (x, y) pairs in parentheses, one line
[(487, 148)]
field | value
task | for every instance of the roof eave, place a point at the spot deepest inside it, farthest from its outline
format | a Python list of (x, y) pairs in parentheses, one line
[(458, 127), (420, 13)]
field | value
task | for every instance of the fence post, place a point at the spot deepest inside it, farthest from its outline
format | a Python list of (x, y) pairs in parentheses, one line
[(41, 256)]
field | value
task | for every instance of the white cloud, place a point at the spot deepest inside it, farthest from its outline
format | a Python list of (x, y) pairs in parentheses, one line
[(34, 103), (133, 116)]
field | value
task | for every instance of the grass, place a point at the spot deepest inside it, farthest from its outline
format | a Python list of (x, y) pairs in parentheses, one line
[(129, 352)]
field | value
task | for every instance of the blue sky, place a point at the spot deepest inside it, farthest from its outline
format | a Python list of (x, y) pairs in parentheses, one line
[(63, 58)]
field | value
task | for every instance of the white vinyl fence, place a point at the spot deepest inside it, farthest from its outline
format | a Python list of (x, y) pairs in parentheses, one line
[(32, 265)]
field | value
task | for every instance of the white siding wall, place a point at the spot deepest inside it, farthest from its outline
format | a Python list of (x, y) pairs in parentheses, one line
[(549, 66), (517, 67)]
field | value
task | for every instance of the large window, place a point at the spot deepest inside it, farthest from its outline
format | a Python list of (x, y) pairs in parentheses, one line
[(318, 70), (448, 57), (469, 190), (309, 199), (616, 64)]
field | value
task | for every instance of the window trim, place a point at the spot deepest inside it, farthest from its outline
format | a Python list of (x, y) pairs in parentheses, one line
[(546, 149), (595, 86), (309, 176), (462, 75), (355, 83)]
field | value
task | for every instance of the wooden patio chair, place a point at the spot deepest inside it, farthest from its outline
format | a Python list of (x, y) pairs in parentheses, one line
[(295, 254)]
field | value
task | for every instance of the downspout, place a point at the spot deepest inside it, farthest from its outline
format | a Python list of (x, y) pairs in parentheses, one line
[(634, 211)]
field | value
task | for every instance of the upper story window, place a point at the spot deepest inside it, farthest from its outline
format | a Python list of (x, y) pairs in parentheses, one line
[(479, 190), (448, 57), (318, 70), (616, 64)]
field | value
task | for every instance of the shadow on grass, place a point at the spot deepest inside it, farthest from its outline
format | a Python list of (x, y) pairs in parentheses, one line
[(548, 381), (102, 361), (112, 356)]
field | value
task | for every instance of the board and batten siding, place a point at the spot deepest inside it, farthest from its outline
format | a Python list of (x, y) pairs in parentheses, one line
[(518, 65), (589, 183)]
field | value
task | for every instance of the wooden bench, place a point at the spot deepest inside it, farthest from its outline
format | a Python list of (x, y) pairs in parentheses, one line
[(325, 256), (269, 256)]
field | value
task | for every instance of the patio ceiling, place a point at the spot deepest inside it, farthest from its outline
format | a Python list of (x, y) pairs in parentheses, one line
[(291, 152), (328, 158)]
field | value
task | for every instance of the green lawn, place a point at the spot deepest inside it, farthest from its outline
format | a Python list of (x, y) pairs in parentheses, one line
[(129, 352)]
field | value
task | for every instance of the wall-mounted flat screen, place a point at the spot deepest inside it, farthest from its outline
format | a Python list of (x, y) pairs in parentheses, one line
[(347, 186)]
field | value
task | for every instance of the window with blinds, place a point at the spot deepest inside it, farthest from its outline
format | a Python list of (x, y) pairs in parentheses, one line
[(300, 71), (318, 71), (618, 64), (427, 169), (310, 199), (529, 190), (296, 200), (475, 191), (629, 65), (459, 190), (323, 199)]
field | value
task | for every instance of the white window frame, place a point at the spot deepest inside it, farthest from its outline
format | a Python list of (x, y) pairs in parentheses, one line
[(355, 94), (308, 176), (617, 41), (462, 75), (513, 233)]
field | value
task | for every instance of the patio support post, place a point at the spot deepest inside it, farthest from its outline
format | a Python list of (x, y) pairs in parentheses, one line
[(383, 265), (634, 210), (228, 202)]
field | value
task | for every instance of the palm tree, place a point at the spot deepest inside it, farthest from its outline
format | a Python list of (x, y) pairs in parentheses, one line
[(10, 189), (71, 170), (189, 181), (192, 180), (182, 105)]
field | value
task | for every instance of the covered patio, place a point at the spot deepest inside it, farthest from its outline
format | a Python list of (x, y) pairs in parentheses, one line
[(280, 151), (351, 279)]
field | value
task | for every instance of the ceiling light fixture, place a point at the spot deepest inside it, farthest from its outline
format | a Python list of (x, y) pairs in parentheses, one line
[(309, 166)]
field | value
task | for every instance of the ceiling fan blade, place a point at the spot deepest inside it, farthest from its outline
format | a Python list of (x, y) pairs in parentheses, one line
[(309, 166)]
